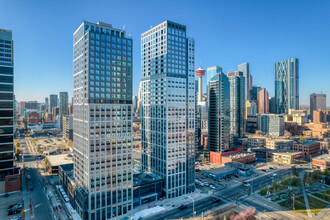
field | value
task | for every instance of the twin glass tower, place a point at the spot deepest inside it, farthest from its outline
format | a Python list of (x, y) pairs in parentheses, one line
[(102, 99)]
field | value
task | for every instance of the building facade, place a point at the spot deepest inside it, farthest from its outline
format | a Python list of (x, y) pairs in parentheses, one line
[(102, 121), (168, 106), (255, 90), (309, 148), (53, 102), (271, 124), (263, 101), (6, 104), (286, 85), (211, 72), (237, 103), (317, 101), (245, 69), (63, 103), (219, 113)]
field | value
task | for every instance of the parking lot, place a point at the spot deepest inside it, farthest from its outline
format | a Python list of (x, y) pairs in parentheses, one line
[(13, 198), (203, 182)]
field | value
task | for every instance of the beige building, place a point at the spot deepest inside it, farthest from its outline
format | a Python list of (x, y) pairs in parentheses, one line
[(278, 143), (285, 157), (256, 141), (298, 116), (250, 108)]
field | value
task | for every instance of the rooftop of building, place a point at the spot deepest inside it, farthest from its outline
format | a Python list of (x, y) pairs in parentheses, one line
[(290, 152), (221, 170), (68, 170), (308, 142), (56, 160), (279, 139), (324, 157), (239, 155), (136, 155), (144, 178)]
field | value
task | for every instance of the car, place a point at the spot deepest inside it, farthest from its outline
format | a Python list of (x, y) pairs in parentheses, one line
[(15, 208), (212, 186), (246, 184), (16, 218), (264, 170), (216, 200), (182, 207), (6, 195), (272, 168), (236, 176), (31, 187), (29, 177)]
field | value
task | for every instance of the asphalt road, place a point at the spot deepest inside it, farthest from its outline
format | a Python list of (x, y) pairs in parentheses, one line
[(200, 206), (226, 195), (40, 203)]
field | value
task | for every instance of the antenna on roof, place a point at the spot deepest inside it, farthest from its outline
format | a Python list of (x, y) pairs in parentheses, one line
[(122, 30)]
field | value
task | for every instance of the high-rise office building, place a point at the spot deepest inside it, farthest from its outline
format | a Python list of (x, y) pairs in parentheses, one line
[(46, 103), (168, 106), (263, 101), (245, 69), (317, 101), (218, 100), (272, 105), (237, 103), (53, 102), (211, 72), (102, 120), (63, 103), (255, 90), (6, 104), (286, 85)]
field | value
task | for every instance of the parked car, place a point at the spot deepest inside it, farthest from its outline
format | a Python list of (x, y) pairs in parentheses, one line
[(212, 186), (216, 200), (236, 176), (30, 187), (182, 207), (16, 218), (264, 170), (15, 208)]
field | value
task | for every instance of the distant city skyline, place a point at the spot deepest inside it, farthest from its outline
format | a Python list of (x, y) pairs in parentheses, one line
[(43, 60)]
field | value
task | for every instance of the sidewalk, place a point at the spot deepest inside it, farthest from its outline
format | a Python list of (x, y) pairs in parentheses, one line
[(169, 204), (301, 176), (26, 210)]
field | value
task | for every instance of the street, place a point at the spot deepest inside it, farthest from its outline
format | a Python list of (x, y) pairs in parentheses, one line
[(41, 207)]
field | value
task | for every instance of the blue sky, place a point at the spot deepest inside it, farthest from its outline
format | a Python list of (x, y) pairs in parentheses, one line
[(227, 33)]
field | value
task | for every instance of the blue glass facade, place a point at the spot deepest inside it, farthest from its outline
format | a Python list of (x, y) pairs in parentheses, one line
[(286, 85)]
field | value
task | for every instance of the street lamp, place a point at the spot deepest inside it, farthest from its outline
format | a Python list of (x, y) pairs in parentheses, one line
[(193, 207)]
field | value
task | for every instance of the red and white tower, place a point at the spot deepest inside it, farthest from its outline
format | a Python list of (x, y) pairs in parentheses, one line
[(200, 72)]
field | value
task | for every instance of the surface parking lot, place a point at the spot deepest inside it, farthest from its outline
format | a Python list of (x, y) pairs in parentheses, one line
[(13, 198)]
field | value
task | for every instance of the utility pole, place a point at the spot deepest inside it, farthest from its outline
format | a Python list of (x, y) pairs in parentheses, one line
[(293, 204)]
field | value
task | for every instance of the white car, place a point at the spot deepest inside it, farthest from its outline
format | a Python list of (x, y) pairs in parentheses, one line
[(212, 186)]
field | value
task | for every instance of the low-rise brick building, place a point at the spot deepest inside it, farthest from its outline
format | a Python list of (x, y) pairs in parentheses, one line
[(321, 162), (309, 148)]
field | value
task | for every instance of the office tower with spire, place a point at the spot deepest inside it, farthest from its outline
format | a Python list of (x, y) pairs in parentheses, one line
[(286, 85), (245, 69), (102, 121), (218, 100), (237, 104), (63, 103), (168, 106)]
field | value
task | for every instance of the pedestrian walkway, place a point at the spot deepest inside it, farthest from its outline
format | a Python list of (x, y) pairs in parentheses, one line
[(309, 213)]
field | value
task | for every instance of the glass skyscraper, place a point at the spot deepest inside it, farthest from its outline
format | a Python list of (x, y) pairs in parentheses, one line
[(63, 103), (6, 104), (218, 100), (245, 69), (286, 85), (211, 72), (102, 123), (53, 102), (168, 106), (237, 103)]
